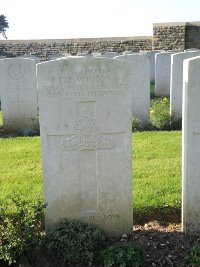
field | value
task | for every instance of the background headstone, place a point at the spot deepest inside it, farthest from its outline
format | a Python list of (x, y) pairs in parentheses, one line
[(85, 54), (19, 94), (57, 56), (162, 73), (191, 147), (85, 126), (151, 56), (176, 82), (140, 85), (110, 55), (37, 59)]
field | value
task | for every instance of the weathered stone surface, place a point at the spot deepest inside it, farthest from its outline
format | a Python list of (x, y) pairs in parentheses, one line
[(44, 48), (110, 55), (85, 119), (169, 36), (37, 59), (176, 82), (19, 94), (140, 85), (162, 73), (191, 147), (151, 55)]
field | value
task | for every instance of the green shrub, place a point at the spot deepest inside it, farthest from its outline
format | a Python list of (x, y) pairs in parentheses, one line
[(75, 242), (123, 255), (21, 232), (135, 124), (193, 259), (160, 116)]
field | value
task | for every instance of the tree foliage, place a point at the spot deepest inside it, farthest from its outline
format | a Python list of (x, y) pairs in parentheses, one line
[(3, 25)]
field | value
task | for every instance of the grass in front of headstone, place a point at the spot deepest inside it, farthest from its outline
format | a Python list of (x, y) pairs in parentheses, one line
[(157, 176), (20, 169)]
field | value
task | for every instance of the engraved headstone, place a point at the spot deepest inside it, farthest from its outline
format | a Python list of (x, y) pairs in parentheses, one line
[(191, 147), (140, 85), (19, 94), (162, 73), (176, 82), (85, 126)]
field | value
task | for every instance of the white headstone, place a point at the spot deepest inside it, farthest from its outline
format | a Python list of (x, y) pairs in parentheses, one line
[(128, 52), (86, 54), (176, 83), (110, 54), (191, 147), (85, 126), (56, 56), (151, 56), (140, 85), (1, 58), (37, 59), (162, 73), (19, 94), (191, 50), (96, 54)]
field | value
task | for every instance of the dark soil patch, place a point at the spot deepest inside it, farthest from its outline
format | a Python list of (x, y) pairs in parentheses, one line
[(166, 246)]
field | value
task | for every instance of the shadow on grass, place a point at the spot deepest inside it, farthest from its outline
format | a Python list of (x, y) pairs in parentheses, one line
[(7, 134), (163, 216)]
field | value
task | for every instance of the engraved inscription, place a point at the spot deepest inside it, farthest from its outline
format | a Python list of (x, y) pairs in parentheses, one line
[(100, 217), (89, 82), (88, 135), (16, 71)]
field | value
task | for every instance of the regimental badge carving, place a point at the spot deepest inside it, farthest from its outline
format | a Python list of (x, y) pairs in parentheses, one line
[(16, 71), (88, 135)]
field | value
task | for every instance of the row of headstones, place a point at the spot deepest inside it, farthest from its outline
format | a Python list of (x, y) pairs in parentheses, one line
[(169, 77), (18, 83), (85, 125)]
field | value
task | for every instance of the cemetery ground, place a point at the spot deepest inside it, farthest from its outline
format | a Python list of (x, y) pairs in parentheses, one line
[(156, 190)]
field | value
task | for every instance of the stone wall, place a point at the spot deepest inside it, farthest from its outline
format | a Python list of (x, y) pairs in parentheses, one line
[(169, 36), (44, 48), (192, 39)]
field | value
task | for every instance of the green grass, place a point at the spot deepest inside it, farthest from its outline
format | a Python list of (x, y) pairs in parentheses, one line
[(20, 168), (156, 171)]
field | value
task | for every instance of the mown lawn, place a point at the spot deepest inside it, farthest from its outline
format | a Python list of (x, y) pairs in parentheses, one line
[(156, 171)]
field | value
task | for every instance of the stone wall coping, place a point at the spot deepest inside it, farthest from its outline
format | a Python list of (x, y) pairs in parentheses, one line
[(77, 40), (168, 24), (195, 23)]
